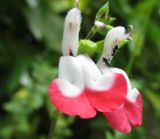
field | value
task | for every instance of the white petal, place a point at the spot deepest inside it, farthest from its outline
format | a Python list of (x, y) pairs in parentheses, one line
[(132, 95), (93, 77), (70, 42), (113, 38), (70, 76), (68, 89)]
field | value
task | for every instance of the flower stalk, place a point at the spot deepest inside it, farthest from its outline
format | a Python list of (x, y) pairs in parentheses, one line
[(52, 128), (53, 124)]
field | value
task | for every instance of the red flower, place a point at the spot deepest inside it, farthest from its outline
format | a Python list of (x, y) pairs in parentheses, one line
[(130, 113), (82, 90)]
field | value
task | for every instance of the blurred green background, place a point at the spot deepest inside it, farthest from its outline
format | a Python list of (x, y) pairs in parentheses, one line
[(30, 47)]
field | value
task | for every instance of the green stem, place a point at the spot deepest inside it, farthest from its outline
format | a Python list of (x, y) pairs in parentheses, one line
[(130, 64), (91, 32), (52, 129), (53, 126)]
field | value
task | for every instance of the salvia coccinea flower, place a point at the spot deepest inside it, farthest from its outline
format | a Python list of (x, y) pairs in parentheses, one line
[(81, 89), (130, 113)]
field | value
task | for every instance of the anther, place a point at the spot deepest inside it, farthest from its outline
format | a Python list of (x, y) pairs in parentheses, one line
[(106, 61)]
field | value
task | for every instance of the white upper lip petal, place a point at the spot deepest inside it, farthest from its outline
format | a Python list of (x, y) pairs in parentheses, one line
[(70, 41), (114, 36), (112, 39), (94, 79)]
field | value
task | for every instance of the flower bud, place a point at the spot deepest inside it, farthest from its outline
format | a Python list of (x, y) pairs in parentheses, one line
[(99, 24), (70, 42), (101, 27)]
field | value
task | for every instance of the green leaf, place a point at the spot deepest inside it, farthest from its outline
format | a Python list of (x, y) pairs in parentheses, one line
[(32, 3), (103, 11), (109, 136), (154, 99), (45, 26)]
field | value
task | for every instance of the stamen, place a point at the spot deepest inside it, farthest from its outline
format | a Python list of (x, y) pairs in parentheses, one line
[(70, 52), (115, 49), (106, 61)]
